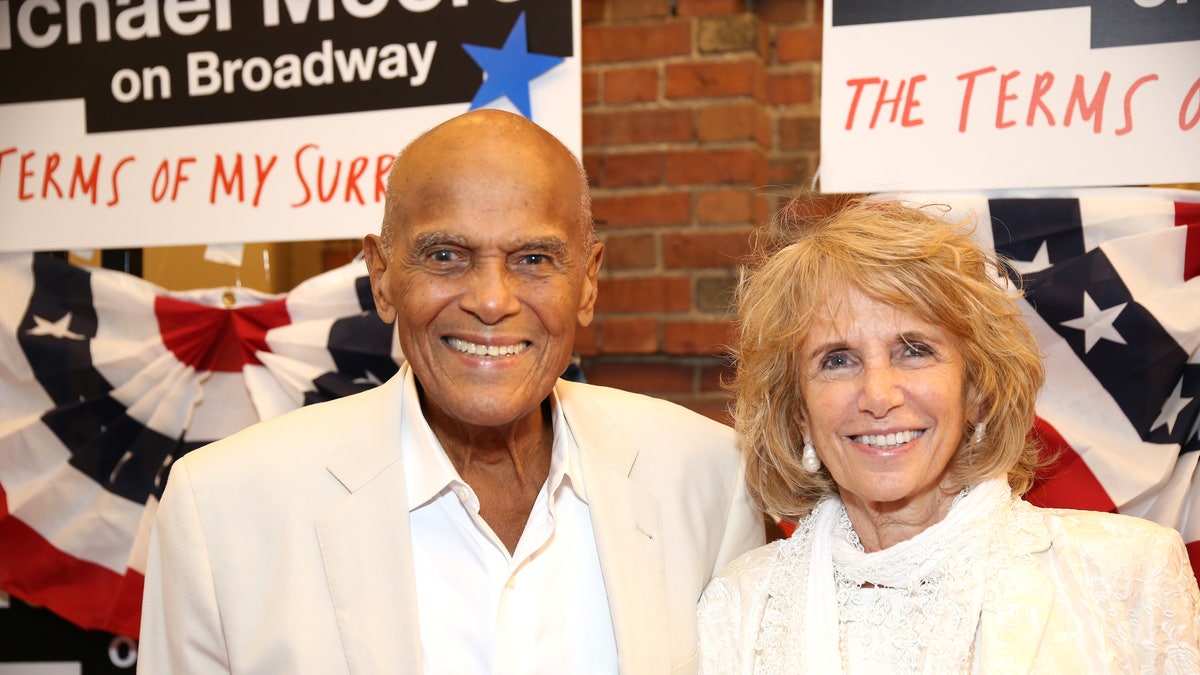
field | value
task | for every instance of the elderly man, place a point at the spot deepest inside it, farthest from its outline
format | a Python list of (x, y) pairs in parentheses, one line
[(474, 514)]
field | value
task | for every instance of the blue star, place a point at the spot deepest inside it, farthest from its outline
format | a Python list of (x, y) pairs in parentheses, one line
[(509, 69)]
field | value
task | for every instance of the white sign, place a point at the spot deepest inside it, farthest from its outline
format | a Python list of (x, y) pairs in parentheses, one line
[(995, 94), (219, 122)]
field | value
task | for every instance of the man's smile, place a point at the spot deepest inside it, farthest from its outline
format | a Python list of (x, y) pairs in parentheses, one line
[(475, 349)]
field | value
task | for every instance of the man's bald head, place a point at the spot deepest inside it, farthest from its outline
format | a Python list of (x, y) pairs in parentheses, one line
[(457, 142)]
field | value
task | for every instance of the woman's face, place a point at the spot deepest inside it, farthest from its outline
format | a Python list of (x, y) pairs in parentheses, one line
[(885, 400)]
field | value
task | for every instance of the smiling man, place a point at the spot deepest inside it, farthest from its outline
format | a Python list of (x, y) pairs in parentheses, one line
[(475, 513)]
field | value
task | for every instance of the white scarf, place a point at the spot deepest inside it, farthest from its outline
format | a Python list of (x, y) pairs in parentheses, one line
[(948, 556)]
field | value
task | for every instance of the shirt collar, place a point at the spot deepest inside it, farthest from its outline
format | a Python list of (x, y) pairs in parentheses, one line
[(428, 471)]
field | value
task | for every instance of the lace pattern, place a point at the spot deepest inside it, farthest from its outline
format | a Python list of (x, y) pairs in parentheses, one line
[(924, 622), (891, 604), (1053, 591)]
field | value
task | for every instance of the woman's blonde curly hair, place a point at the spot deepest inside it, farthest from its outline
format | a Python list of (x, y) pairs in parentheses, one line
[(910, 258)]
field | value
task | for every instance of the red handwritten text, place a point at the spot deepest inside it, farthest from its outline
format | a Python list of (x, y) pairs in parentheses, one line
[(45, 176), (234, 178), (326, 176)]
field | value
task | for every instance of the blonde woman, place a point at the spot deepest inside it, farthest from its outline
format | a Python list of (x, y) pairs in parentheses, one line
[(885, 387)]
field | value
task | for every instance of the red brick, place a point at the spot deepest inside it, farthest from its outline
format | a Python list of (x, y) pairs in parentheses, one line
[(640, 9), (697, 337), (622, 335), (714, 376), (590, 94), (633, 170), (724, 206), (814, 205), (790, 88), (709, 7), (762, 128), (701, 80), (630, 251), (733, 122), (786, 11), (692, 167), (592, 10), (711, 406), (631, 85), (637, 126), (796, 171), (765, 202), (705, 249), (800, 133), (605, 43), (725, 122), (641, 377), (641, 210), (593, 164), (729, 34), (798, 44), (785, 172), (587, 339), (645, 294), (714, 294)]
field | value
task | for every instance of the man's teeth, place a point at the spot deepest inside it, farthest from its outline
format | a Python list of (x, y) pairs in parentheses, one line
[(888, 440), (486, 350)]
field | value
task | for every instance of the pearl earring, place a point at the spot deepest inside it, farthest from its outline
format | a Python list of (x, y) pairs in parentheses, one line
[(809, 459), (980, 429)]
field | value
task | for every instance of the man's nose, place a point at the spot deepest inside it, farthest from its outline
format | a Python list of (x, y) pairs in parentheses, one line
[(491, 295)]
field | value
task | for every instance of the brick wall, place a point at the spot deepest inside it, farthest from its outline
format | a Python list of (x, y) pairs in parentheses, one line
[(692, 109)]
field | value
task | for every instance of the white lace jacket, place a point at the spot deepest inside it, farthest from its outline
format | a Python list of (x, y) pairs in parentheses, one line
[(1079, 592)]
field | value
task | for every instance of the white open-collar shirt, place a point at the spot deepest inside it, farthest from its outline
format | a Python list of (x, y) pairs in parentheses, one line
[(542, 609)]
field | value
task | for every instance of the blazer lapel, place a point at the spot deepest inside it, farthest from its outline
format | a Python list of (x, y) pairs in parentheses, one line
[(628, 529), (366, 542), (1019, 598)]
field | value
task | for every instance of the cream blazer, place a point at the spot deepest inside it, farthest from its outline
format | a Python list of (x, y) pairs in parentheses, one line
[(1078, 592), (286, 549)]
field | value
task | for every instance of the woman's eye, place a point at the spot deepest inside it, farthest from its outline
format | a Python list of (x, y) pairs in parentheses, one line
[(917, 350), (835, 361)]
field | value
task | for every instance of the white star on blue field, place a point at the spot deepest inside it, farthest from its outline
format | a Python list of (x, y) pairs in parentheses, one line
[(509, 69)]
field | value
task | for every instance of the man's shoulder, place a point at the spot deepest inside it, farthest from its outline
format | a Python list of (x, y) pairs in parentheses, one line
[(664, 436), (292, 435), (638, 413)]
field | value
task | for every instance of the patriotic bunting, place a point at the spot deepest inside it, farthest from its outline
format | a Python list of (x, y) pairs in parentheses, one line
[(1114, 299), (107, 379)]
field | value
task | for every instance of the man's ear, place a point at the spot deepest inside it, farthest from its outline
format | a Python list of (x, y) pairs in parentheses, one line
[(590, 289), (377, 263)]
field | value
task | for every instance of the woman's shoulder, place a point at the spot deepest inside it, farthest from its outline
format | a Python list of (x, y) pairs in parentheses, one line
[(741, 586), (756, 562), (1103, 526), (1111, 535)]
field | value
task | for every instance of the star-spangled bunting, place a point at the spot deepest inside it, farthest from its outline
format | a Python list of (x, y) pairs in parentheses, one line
[(1108, 276), (1096, 323), (107, 379), (508, 70)]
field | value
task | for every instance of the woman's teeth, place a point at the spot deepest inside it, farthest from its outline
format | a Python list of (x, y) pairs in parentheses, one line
[(886, 441)]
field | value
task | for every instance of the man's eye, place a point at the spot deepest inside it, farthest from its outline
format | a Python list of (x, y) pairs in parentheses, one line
[(533, 259), (443, 255)]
